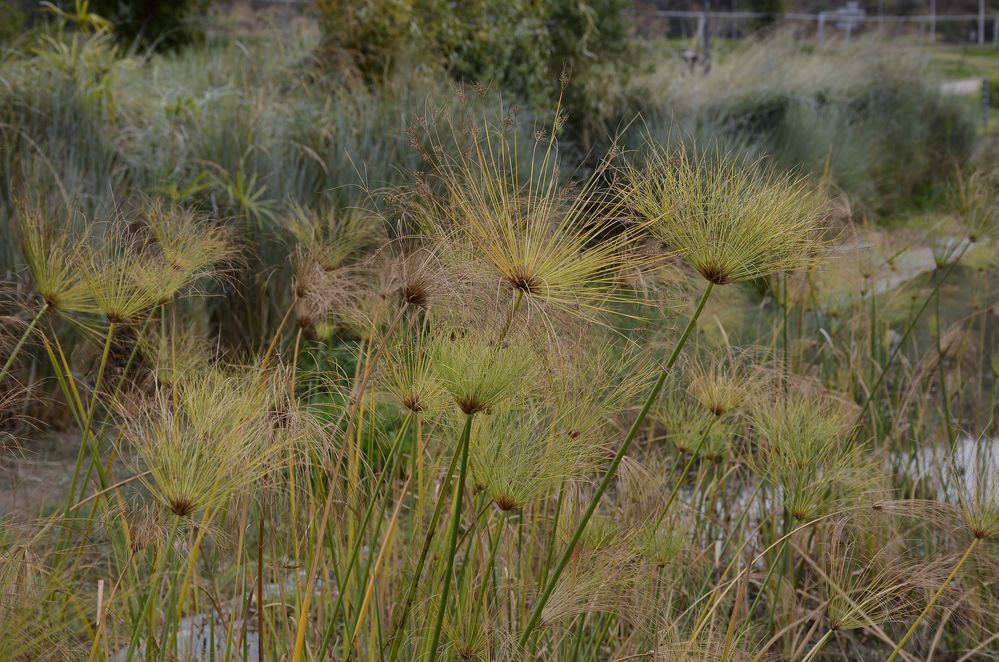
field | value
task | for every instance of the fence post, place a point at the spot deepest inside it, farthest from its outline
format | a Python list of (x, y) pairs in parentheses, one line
[(985, 103), (995, 32), (981, 22), (822, 28), (706, 35), (933, 21)]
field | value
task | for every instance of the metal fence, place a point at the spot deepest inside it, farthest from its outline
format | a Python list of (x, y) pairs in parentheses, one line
[(823, 26)]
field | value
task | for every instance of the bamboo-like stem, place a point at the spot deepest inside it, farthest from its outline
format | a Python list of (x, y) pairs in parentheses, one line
[(260, 580), (420, 479), (513, 312), (490, 564), (386, 475), (167, 553), (459, 491), (785, 347), (294, 363), (277, 336), (85, 422), (936, 596), (944, 395), (766, 582), (549, 587), (379, 561)]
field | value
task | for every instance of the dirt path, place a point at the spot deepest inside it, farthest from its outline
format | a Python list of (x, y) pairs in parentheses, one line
[(35, 474)]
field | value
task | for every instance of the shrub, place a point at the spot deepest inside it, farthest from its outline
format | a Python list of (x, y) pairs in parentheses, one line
[(874, 122), (370, 34), (521, 46), (774, 10), (13, 20), (161, 24)]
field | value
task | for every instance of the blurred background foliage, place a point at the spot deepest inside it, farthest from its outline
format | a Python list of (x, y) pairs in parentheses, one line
[(250, 114)]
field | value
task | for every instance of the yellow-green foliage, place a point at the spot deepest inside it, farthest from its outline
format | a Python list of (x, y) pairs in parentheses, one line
[(730, 221)]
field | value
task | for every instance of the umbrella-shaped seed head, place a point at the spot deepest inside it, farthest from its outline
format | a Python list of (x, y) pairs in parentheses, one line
[(730, 221), (478, 374)]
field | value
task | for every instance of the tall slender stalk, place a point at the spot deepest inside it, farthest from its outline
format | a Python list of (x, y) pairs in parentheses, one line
[(766, 582), (162, 562), (356, 393), (490, 565), (817, 647), (20, 343), (905, 336), (785, 343), (387, 473), (605, 482), (513, 312), (396, 636), (459, 490), (88, 441), (942, 374), (936, 596), (683, 475), (260, 579)]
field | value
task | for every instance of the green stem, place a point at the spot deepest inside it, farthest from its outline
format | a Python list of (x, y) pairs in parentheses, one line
[(260, 581), (944, 396), (554, 528), (88, 442), (766, 582), (490, 565), (818, 646), (20, 343), (901, 342), (162, 561), (387, 473), (683, 475), (459, 491), (936, 596), (513, 312), (785, 346), (546, 593), (728, 540), (418, 572)]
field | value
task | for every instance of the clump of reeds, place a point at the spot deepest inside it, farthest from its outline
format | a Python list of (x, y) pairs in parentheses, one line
[(447, 444)]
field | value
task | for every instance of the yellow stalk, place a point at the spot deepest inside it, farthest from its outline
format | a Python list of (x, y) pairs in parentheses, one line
[(936, 596), (303, 616), (382, 553), (354, 461), (277, 336), (192, 559), (20, 343)]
